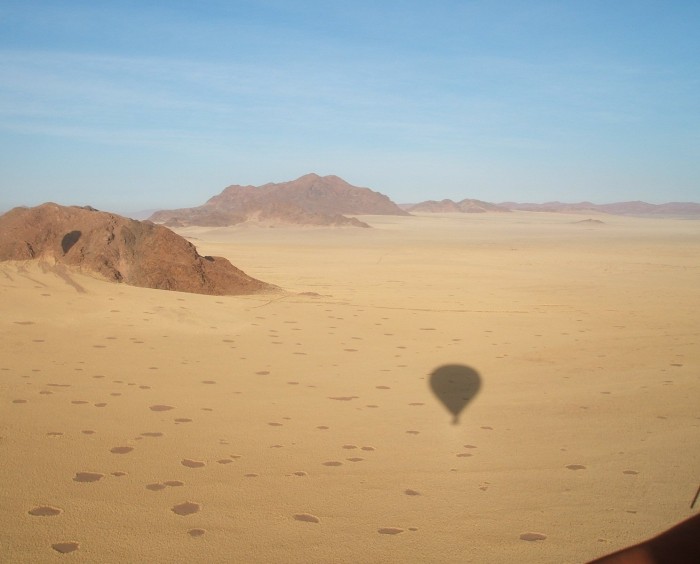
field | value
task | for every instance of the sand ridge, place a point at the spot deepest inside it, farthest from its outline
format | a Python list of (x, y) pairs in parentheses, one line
[(193, 426)]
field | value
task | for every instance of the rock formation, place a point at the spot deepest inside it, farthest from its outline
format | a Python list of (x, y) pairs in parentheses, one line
[(309, 200), (118, 249)]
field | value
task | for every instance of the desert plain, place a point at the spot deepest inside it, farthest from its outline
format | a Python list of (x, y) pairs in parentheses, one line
[(141, 425)]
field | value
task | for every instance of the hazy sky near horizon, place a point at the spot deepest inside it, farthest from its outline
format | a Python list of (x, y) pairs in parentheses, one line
[(133, 105)]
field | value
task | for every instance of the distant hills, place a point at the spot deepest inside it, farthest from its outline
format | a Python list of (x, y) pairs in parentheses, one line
[(309, 200), (686, 209), (314, 200), (328, 201), (111, 247), (672, 209)]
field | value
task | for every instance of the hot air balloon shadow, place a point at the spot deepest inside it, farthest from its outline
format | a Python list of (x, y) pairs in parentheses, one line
[(455, 385)]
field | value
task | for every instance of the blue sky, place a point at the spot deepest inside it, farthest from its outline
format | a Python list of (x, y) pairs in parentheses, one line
[(133, 105)]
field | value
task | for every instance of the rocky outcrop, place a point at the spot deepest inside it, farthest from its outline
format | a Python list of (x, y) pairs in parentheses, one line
[(138, 253), (309, 200)]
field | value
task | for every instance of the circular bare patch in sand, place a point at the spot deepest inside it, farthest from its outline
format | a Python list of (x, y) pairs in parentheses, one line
[(192, 463), (389, 531), (307, 517), (160, 407), (196, 532), (65, 547), (155, 487), (88, 476), (533, 536), (45, 511), (187, 508)]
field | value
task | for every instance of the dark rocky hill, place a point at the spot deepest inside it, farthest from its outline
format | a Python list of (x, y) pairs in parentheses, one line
[(118, 249)]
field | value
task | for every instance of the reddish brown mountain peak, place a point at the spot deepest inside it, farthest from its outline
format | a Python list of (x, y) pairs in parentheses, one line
[(118, 249), (309, 200), (311, 176)]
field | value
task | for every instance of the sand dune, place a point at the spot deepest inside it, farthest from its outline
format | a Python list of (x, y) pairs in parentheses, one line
[(142, 425)]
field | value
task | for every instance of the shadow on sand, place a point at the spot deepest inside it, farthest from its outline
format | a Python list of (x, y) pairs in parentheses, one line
[(455, 385)]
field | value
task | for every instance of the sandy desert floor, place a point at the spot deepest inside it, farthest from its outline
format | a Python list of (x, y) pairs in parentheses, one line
[(154, 426)]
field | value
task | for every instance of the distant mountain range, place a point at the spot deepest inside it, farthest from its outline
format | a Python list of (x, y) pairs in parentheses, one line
[(329, 200), (687, 209), (309, 200), (672, 209)]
